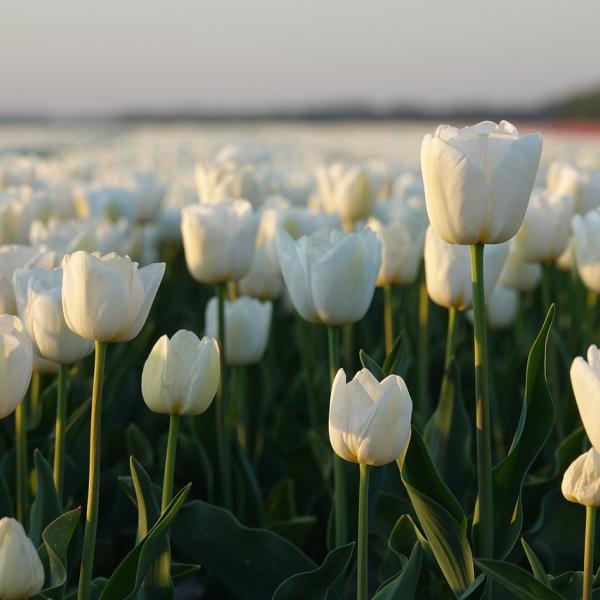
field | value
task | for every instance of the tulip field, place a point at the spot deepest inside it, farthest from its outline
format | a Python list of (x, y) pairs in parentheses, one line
[(299, 361)]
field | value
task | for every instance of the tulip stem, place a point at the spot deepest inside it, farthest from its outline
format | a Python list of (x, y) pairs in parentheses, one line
[(60, 431), (339, 485), (222, 434), (451, 336), (91, 519), (588, 551), (34, 400), (169, 474), (482, 408), (363, 533), (22, 469), (388, 317), (423, 343)]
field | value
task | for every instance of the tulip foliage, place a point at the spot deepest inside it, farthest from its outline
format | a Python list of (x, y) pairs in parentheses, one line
[(243, 374)]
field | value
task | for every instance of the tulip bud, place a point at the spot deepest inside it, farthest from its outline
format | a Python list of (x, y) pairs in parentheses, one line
[(21, 570), (581, 481), (181, 375), (478, 180), (585, 380), (218, 240), (448, 270), (330, 276), (586, 240), (544, 234), (16, 363), (107, 298), (517, 273), (501, 307), (39, 301), (247, 324), (369, 421)]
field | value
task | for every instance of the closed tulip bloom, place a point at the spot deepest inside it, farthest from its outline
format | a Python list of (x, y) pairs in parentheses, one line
[(345, 190), (21, 570), (501, 307), (39, 301), (16, 363), (563, 178), (401, 254), (218, 240), (330, 276), (448, 271), (545, 231), (369, 421), (586, 240), (107, 298), (581, 481), (517, 273), (585, 380), (13, 257), (478, 180), (181, 375), (247, 325)]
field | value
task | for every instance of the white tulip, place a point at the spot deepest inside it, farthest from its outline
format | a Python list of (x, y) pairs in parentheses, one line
[(501, 307), (16, 363), (247, 325), (448, 270), (563, 178), (586, 240), (38, 294), (545, 230), (218, 240), (330, 276), (517, 273), (478, 180), (581, 481), (369, 421), (585, 380), (107, 298), (220, 182), (13, 257), (21, 570), (182, 374)]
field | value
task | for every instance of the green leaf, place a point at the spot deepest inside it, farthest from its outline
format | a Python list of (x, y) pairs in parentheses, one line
[(181, 571), (440, 515), (404, 586), (147, 505), (534, 562), (53, 552), (448, 434), (368, 363), (250, 563), (517, 580), (399, 355), (317, 582), (129, 575), (533, 429), (46, 506)]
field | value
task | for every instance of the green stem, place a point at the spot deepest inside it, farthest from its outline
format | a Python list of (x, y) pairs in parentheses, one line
[(423, 345), (482, 407), (339, 491), (222, 434), (169, 474), (60, 431), (363, 534), (91, 519), (451, 336), (591, 301), (588, 551), (34, 400), (22, 468), (388, 318)]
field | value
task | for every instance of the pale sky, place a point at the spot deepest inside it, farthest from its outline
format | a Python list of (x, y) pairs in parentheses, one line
[(75, 56)]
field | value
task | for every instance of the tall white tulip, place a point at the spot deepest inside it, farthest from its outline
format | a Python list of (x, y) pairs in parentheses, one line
[(181, 375), (38, 294), (369, 421), (585, 379), (544, 233), (21, 570), (448, 271), (247, 325), (581, 481), (478, 180), (16, 363), (107, 298), (218, 240), (330, 276), (586, 241)]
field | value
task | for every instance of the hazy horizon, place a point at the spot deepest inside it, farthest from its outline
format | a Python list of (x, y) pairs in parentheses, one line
[(68, 58)]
